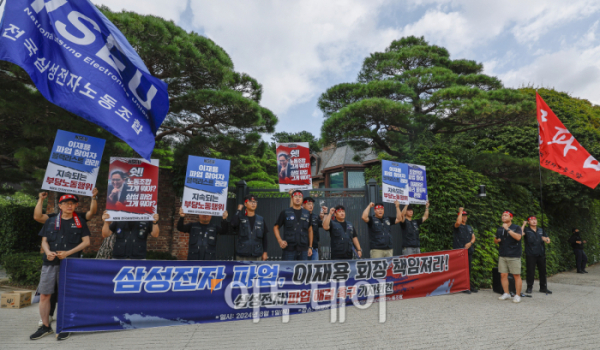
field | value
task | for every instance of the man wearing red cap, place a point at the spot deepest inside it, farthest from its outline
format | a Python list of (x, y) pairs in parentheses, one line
[(508, 236), (63, 235), (464, 238), (380, 238), (297, 232), (535, 253)]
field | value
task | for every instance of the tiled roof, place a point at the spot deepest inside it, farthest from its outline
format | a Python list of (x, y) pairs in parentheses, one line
[(339, 156)]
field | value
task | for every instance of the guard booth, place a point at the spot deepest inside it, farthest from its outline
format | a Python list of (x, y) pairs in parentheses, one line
[(271, 202)]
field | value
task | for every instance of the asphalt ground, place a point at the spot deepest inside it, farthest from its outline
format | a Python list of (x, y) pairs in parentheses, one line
[(567, 319)]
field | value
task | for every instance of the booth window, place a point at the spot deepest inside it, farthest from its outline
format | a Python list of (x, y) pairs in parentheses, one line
[(356, 179)]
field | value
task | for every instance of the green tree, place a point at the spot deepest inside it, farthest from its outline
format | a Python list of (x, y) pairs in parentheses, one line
[(413, 89), (303, 136)]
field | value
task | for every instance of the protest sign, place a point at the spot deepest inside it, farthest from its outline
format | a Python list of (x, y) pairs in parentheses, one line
[(405, 183), (293, 166), (81, 62), (102, 295), (206, 186), (74, 163), (132, 189)]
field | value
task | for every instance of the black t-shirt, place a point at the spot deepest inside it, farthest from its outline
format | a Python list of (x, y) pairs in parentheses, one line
[(392, 220), (188, 227), (534, 246), (132, 226), (508, 246), (281, 219), (463, 234), (64, 226), (410, 233), (345, 227), (576, 237)]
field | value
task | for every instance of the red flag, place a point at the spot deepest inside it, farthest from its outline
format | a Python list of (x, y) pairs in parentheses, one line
[(559, 151)]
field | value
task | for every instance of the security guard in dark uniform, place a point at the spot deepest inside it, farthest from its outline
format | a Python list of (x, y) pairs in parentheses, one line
[(580, 257), (131, 236), (464, 238), (297, 230), (252, 241), (535, 253), (411, 243), (380, 226), (203, 236), (342, 233)]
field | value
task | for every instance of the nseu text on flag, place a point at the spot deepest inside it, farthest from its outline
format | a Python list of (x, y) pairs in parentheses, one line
[(559, 151), (81, 62)]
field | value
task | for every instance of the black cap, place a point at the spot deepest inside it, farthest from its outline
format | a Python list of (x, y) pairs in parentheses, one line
[(68, 197)]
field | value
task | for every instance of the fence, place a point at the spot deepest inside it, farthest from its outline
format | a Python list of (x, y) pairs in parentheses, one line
[(271, 202)]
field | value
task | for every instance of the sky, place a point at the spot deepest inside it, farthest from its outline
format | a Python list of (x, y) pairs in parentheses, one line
[(298, 49)]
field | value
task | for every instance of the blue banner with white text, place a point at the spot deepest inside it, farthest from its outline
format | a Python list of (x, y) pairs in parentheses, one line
[(81, 62), (102, 295)]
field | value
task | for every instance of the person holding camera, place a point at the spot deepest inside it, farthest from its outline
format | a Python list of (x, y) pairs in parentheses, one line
[(508, 237)]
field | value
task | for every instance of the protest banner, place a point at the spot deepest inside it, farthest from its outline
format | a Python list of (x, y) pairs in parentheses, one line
[(293, 166), (206, 186), (74, 163), (102, 295), (405, 183), (79, 61), (132, 189)]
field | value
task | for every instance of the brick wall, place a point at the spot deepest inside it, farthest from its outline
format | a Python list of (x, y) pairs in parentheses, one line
[(169, 239)]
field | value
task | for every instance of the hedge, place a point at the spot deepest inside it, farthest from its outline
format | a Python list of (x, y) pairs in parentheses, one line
[(18, 230), (23, 268)]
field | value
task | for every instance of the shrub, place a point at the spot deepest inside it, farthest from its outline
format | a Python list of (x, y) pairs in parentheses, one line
[(23, 268), (18, 230)]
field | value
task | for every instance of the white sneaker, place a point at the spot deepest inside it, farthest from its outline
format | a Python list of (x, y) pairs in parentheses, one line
[(41, 323), (504, 296), (516, 299)]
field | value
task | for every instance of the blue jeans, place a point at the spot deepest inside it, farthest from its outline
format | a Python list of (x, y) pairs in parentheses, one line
[(287, 255), (315, 254)]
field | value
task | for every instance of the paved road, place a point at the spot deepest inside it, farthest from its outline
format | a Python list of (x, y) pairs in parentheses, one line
[(567, 319)]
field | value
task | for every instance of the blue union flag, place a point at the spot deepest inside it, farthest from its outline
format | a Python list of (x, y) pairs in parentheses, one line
[(81, 62)]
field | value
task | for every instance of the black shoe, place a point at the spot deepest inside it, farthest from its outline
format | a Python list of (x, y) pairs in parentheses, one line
[(545, 291), (528, 291), (580, 272), (41, 332), (584, 271), (474, 290), (467, 291), (63, 335)]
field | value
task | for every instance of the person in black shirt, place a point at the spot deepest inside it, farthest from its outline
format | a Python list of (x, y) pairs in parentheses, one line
[(63, 235), (203, 235), (535, 253), (252, 241), (298, 232), (316, 221), (380, 238), (464, 238), (131, 236), (577, 244), (411, 244), (342, 233), (508, 236)]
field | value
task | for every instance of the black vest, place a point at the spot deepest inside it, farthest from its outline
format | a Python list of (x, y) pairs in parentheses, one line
[(131, 238), (314, 222), (203, 243), (534, 246), (341, 241), (69, 238), (295, 230), (462, 235), (509, 247), (249, 242), (410, 237), (379, 233)]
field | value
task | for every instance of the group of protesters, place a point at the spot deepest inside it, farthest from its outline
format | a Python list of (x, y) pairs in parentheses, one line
[(66, 234)]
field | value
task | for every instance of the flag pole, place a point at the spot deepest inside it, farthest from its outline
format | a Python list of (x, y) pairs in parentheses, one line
[(540, 170)]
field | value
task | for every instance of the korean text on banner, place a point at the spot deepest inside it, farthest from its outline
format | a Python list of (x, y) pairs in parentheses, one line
[(132, 189), (206, 186), (417, 184), (293, 166), (81, 62), (74, 163), (394, 182), (102, 295)]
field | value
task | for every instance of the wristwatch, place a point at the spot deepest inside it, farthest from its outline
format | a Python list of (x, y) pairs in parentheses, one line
[(95, 198)]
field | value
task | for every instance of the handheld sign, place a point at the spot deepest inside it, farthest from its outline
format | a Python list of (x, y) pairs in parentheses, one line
[(417, 184), (405, 183), (293, 166), (74, 162), (206, 186), (132, 189)]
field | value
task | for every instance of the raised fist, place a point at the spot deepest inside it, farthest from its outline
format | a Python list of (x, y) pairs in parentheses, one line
[(371, 204), (43, 195)]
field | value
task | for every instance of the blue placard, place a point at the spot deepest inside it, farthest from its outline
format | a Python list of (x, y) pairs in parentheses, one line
[(207, 174), (81, 62), (394, 173), (77, 151), (417, 184)]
